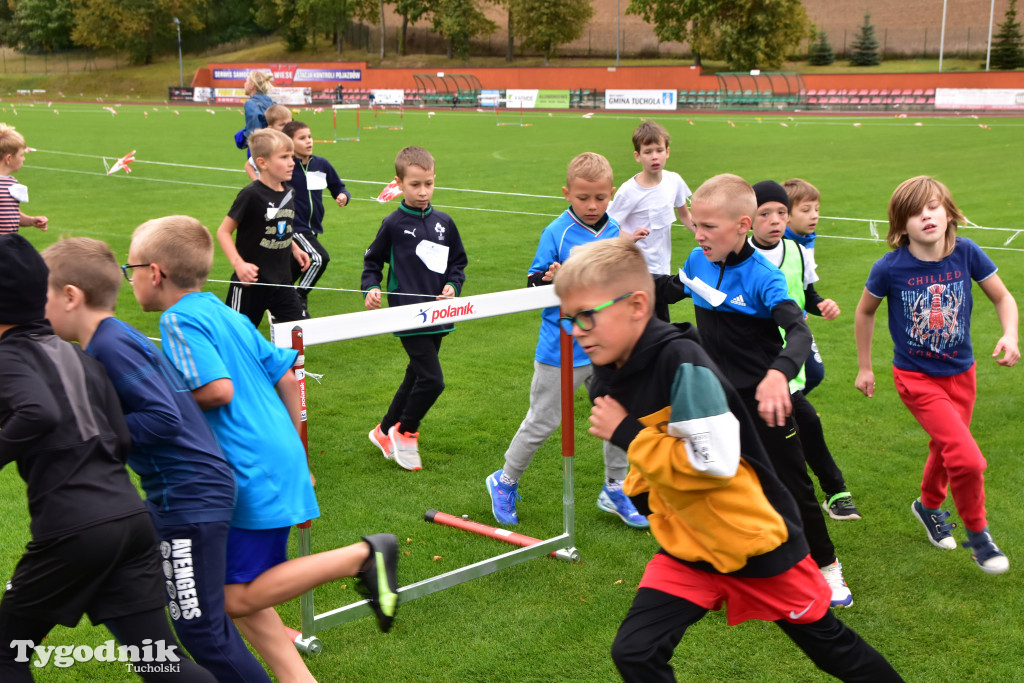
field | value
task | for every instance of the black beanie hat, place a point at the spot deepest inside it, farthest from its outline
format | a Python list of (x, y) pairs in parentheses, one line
[(23, 275), (771, 191)]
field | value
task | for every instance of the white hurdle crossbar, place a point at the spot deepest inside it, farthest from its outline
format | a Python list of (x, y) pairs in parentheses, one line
[(433, 312)]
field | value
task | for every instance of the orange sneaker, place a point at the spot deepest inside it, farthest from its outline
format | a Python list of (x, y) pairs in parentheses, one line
[(381, 441), (406, 448)]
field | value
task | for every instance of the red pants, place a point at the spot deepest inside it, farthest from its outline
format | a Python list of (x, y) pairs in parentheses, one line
[(943, 406)]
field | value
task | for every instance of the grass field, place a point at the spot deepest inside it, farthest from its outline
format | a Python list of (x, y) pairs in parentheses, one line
[(932, 613)]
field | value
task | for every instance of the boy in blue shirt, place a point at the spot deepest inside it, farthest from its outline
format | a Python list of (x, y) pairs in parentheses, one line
[(588, 190), (249, 396), (190, 489), (310, 177)]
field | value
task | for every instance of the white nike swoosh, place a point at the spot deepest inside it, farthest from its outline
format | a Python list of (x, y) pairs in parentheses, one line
[(797, 615)]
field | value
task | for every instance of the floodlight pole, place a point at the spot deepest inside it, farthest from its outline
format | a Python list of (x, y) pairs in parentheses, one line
[(988, 48), (181, 71), (618, 33), (942, 37)]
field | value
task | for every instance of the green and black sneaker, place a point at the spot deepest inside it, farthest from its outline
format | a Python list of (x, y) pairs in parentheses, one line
[(378, 579)]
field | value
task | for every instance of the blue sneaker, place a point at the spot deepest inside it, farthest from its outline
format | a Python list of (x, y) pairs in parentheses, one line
[(503, 499), (939, 530), (986, 553), (618, 503)]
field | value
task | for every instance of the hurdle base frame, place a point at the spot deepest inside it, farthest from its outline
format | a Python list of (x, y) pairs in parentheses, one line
[(562, 545)]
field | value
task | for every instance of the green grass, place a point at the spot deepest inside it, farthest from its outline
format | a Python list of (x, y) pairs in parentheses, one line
[(933, 613)]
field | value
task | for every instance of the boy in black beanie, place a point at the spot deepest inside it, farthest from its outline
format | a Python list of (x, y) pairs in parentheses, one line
[(93, 547)]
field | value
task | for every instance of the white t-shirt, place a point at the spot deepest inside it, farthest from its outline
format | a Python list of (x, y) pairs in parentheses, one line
[(653, 208), (776, 254)]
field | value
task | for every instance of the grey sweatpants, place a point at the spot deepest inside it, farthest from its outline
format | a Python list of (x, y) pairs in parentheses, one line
[(543, 418)]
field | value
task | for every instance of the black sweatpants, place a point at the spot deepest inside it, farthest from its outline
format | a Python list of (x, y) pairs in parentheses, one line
[(818, 456), (255, 300), (657, 621), (318, 260), (787, 455), (421, 386)]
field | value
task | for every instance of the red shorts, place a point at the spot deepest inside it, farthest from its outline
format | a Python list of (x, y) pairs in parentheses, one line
[(799, 594)]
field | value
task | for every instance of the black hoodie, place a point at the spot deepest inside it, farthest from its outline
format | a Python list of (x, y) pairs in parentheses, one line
[(697, 466)]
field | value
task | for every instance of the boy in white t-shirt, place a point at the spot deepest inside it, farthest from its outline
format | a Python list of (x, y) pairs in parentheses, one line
[(647, 204)]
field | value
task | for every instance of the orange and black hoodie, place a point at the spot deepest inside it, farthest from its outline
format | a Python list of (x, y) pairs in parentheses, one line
[(697, 467)]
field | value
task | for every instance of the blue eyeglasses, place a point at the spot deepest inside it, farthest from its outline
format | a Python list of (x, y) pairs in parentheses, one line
[(585, 319)]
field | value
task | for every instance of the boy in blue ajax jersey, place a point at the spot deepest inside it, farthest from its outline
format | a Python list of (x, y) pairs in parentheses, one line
[(250, 397), (190, 490), (741, 303), (588, 190)]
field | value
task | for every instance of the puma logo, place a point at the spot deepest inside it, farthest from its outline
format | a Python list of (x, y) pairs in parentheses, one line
[(410, 232)]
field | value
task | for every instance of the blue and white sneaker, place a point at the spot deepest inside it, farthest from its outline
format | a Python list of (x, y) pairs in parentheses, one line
[(939, 530), (618, 503), (989, 558), (841, 595), (503, 499)]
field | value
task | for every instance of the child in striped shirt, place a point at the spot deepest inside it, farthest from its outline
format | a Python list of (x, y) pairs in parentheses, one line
[(13, 193)]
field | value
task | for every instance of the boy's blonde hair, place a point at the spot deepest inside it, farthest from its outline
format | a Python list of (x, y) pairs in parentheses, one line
[(799, 190), (648, 133), (11, 141), (276, 113), (87, 264), (589, 166), (261, 81), (728, 192), (412, 156), (909, 198), (181, 245), (266, 141), (605, 264)]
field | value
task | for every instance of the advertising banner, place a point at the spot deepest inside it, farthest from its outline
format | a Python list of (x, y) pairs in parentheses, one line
[(289, 74), (289, 96), (640, 99), (388, 96), (490, 98), (552, 99), (977, 99)]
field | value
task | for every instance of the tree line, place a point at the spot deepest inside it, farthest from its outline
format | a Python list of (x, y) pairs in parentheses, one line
[(745, 34)]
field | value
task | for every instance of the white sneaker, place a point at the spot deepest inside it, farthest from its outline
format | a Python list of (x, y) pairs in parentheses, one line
[(406, 448), (841, 595)]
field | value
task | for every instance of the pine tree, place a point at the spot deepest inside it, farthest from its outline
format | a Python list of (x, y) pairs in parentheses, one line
[(820, 52), (1007, 52), (865, 48)]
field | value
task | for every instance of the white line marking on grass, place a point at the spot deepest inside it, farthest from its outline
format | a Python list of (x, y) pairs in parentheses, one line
[(347, 180)]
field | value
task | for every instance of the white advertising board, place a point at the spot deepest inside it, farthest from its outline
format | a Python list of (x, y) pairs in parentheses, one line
[(640, 99)]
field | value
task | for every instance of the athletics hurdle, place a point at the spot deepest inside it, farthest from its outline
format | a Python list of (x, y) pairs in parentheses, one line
[(334, 112), (497, 115), (385, 108), (304, 333)]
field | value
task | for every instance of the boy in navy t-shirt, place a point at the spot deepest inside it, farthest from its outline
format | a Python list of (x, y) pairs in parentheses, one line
[(93, 548), (250, 397), (190, 489)]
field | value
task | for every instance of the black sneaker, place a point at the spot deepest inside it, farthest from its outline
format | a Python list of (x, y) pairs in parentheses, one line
[(841, 507), (378, 580)]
